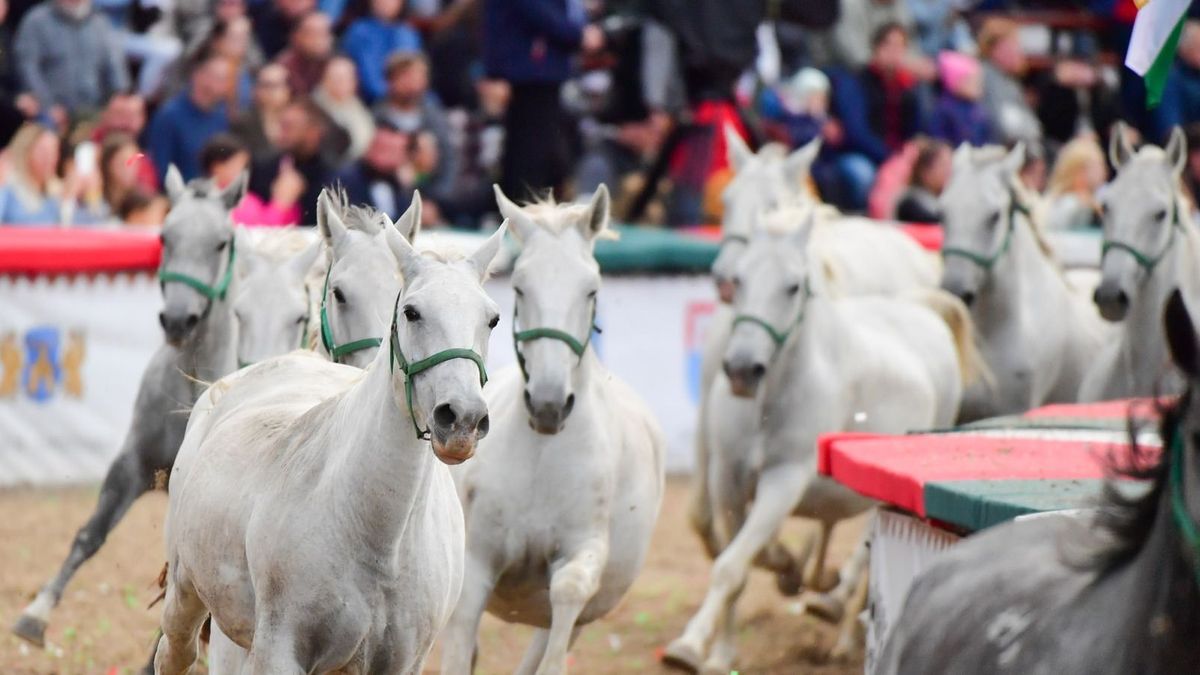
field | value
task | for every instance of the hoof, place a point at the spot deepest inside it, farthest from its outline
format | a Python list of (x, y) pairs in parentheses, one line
[(31, 629), (713, 669), (789, 584), (824, 607), (682, 656)]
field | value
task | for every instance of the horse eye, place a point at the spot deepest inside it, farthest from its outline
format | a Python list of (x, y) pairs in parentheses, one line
[(302, 320), (411, 313), (520, 293), (221, 246), (993, 219), (339, 296), (1160, 215), (793, 289), (591, 295), (494, 322)]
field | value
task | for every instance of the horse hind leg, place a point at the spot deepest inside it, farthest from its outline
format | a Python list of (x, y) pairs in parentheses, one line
[(534, 653), (183, 614), (833, 605), (850, 638), (125, 482)]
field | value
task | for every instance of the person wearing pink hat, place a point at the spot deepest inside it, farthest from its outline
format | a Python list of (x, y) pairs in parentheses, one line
[(959, 116)]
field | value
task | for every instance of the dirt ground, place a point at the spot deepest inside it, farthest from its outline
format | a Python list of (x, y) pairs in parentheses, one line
[(103, 626)]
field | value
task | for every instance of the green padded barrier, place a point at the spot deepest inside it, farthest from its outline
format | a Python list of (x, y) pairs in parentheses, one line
[(978, 504)]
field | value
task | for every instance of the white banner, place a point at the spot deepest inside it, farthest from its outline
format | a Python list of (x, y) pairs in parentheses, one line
[(72, 352)]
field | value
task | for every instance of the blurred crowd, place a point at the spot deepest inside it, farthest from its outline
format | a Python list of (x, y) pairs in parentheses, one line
[(385, 97)]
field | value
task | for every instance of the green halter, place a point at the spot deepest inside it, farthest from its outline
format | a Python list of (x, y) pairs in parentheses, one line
[(577, 347), (335, 350), (211, 292), (1146, 262), (778, 336), (1183, 520), (989, 261), (415, 368), (739, 238)]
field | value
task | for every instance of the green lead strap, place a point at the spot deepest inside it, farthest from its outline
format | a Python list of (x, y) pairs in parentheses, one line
[(1183, 519), (411, 370), (989, 261)]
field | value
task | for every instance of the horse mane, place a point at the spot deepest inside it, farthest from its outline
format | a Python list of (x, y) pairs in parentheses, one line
[(361, 217), (552, 216), (1128, 521)]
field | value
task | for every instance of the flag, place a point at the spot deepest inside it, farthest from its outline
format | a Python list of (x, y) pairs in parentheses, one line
[(1152, 47)]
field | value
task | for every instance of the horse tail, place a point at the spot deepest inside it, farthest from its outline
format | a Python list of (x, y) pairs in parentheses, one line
[(957, 318)]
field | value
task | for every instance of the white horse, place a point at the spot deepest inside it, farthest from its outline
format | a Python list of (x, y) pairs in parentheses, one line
[(812, 364), (561, 503), (273, 301), (1037, 335), (1151, 247), (307, 512)]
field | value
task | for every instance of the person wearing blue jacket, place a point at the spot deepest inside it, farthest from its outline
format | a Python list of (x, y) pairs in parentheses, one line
[(183, 125), (1180, 104), (369, 42), (529, 43)]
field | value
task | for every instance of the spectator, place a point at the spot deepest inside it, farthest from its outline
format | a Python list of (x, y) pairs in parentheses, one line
[(798, 108), (1079, 172), (303, 132), (258, 127), (15, 106), (184, 123), (529, 44), (1009, 114), (29, 196), (69, 58), (879, 110), (959, 116), (410, 108), (307, 54), (375, 179), (938, 26), (370, 40), (1072, 98), (1191, 176), (1033, 173), (121, 171), (337, 95), (142, 210), (233, 40), (1181, 97), (276, 20), (124, 114), (83, 180), (930, 172), (224, 158), (845, 45)]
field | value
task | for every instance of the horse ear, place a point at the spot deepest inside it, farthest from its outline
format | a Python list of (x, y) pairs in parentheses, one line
[(233, 193), (597, 214), (409, 222), (483, 256), (407, 257), (1119, 149), (304, 261), (173, 182), (1181, 335), (1177, 151), (798, 165), (518, 222), (962, 155), (802, 234), (1015, 159), (329, 221), (736, 150)]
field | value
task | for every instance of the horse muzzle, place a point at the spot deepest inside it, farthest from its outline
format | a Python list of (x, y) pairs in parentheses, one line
[(960, 291), (724, 289), (744, 378), (1112, 301), (548, 416), (456, 431), (177, 327)]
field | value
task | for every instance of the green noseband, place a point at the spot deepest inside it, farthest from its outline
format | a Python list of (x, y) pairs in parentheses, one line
[(211, 292), (1145, 261), (987, 262), (1179, 512), (778, 336), (335, 350), (576, 347), (411, 370)]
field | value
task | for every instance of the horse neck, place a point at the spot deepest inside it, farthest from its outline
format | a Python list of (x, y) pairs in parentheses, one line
[(1142, 340), (212, 353), (1023, 266), (1159, 590), (378, 472)]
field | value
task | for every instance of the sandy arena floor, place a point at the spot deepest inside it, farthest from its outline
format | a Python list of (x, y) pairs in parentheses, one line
[(103, 626)]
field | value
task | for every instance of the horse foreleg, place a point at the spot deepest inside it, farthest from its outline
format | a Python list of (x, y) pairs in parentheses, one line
[(571, 587), (533, 653), (850, 633), (125, 482), (832, 606), (724, 650), (778, 491), (225, 657), (700, 511), (459, 637), (818, 579), (183, 614)]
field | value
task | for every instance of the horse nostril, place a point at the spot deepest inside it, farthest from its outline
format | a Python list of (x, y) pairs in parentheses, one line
[(569, 405), (1122, 299), (192, 320), (162, 320), (758, 370), (444, 415), (528, 402), (967, 297), (483, 427)]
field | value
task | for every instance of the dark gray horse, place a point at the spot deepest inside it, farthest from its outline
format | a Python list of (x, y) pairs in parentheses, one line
[(1120, 594), (197, 319)]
